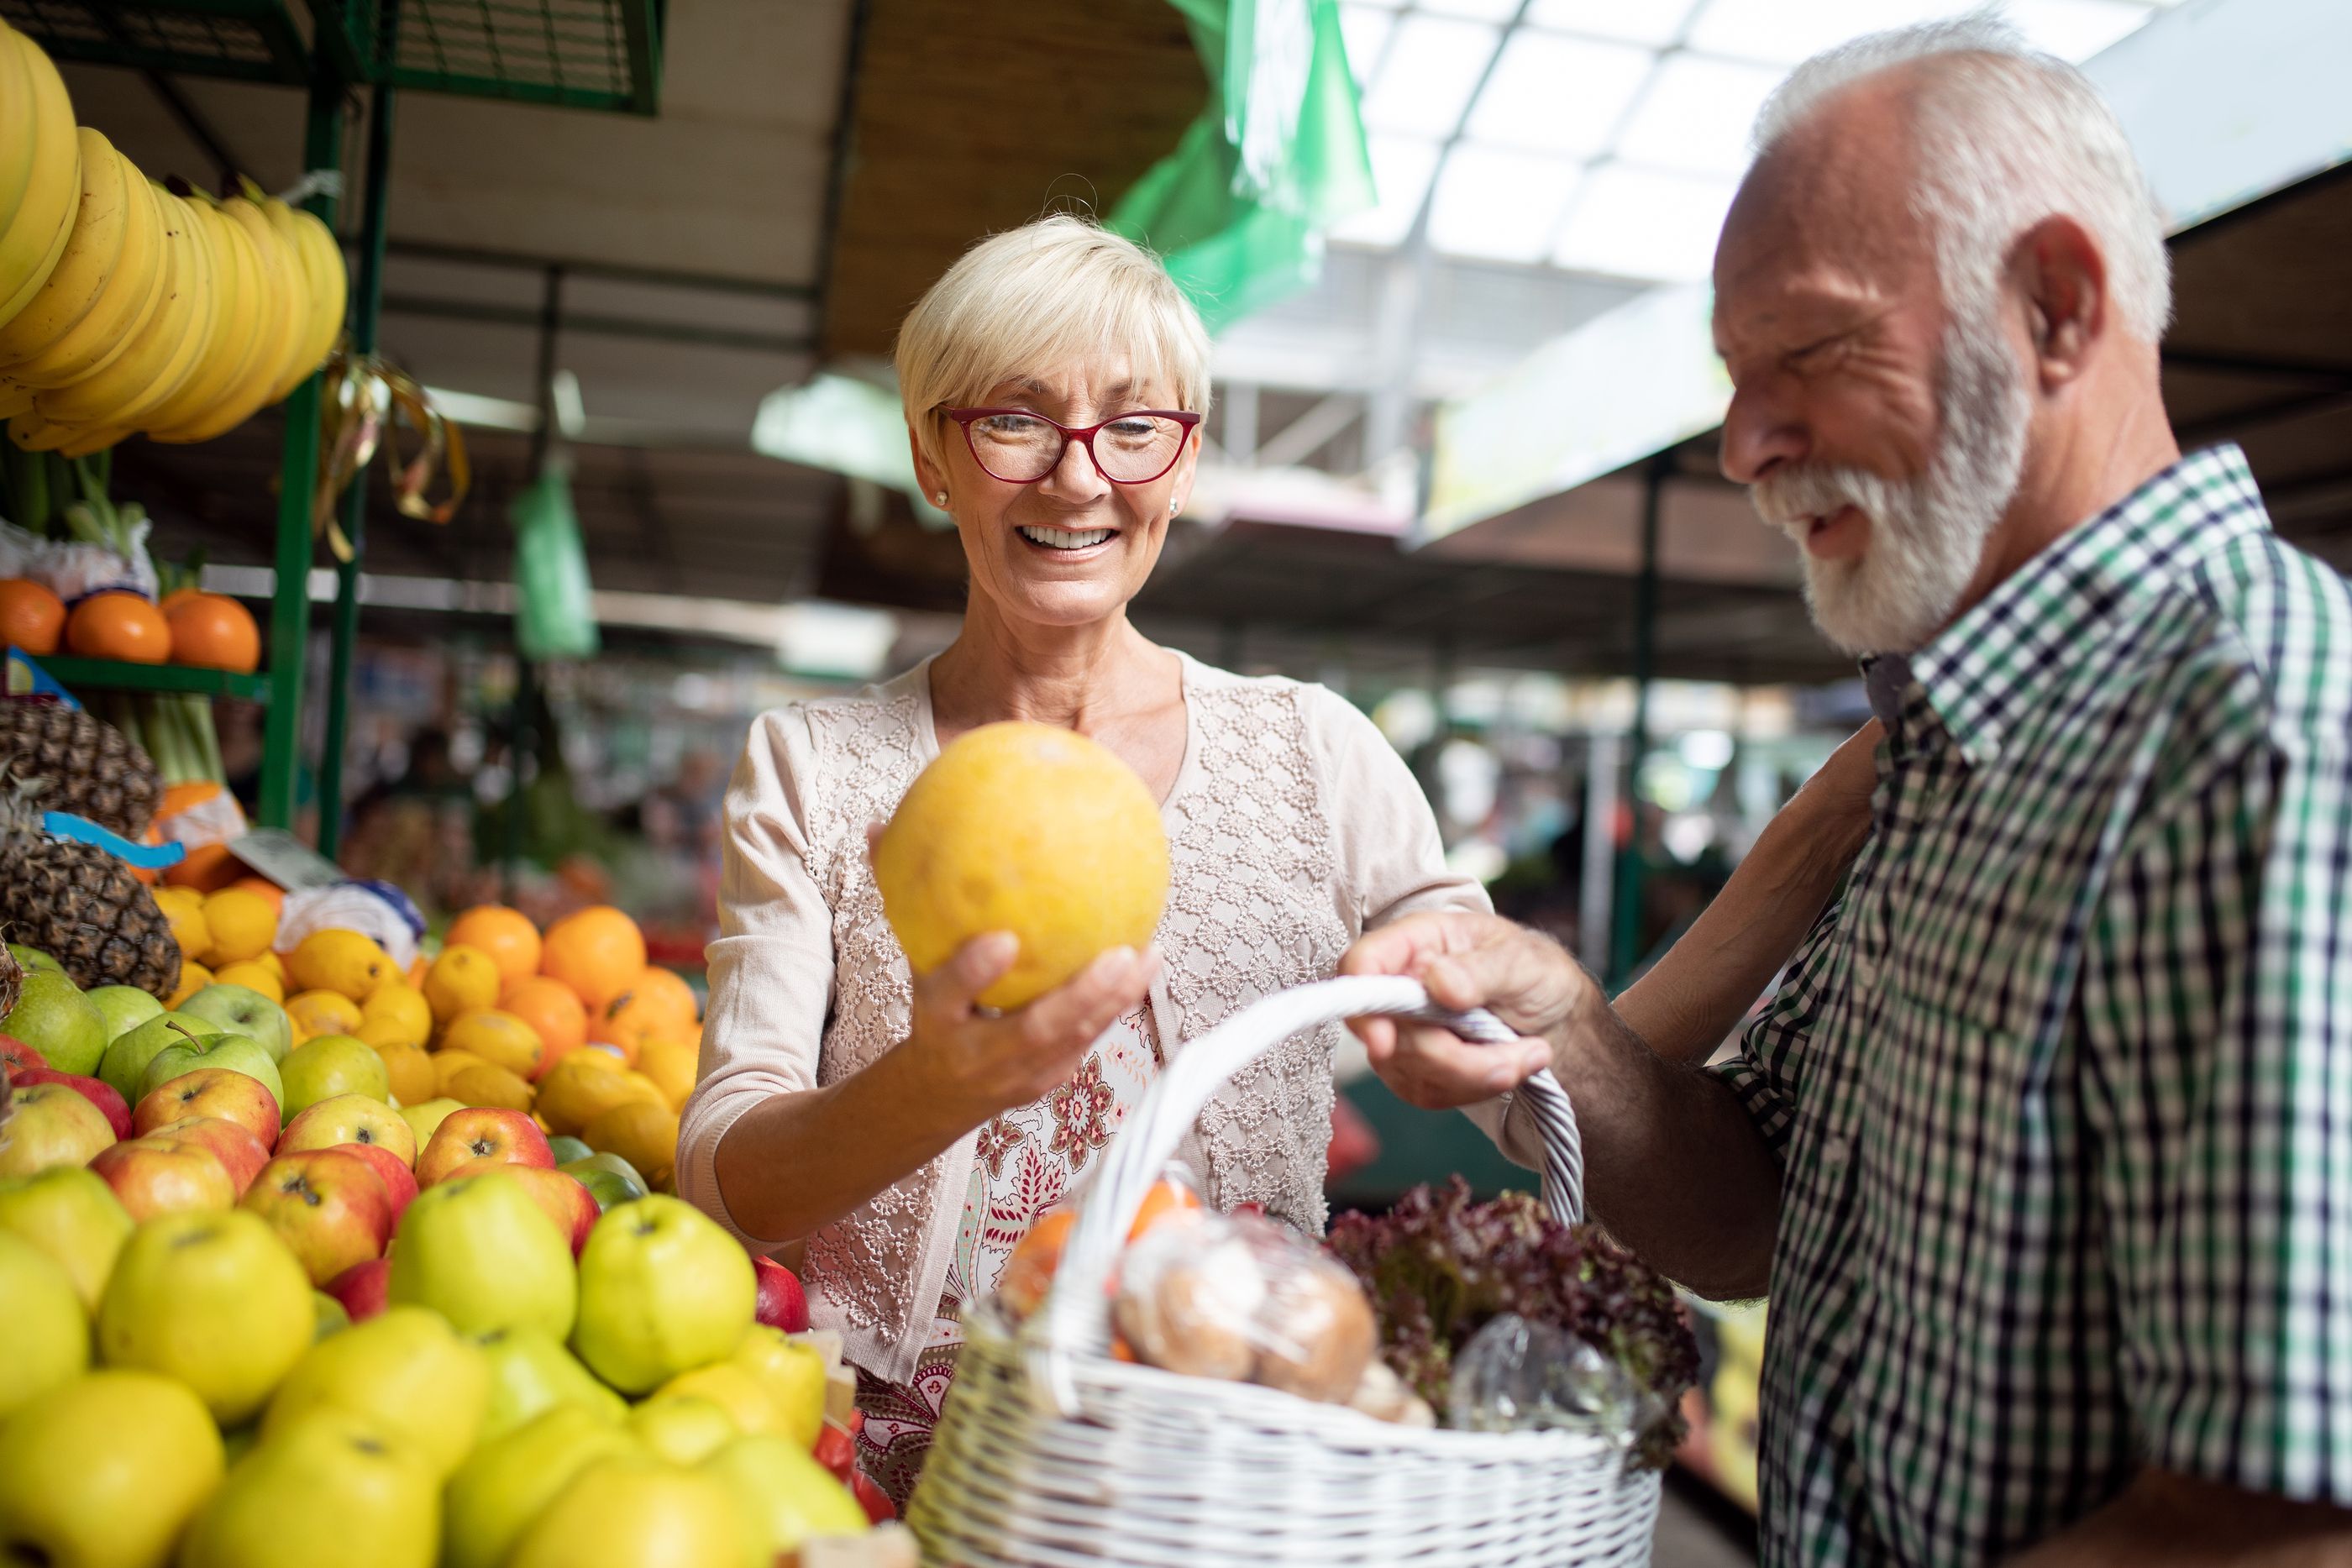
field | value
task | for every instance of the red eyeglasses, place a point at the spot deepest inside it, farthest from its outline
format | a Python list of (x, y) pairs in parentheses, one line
[(1020, 446)]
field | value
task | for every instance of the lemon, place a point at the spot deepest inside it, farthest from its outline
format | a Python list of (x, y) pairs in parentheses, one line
[(347, 963), (499, 1038), (407, 1068), (194, 978), (584, 1084), (1028, 828), (448, 1064), (642, 1132), (485, 1084), (460, 980), (252, 976), (396, 1011), (672, 1064), (243, 925), (189, 928), (316, 1013)]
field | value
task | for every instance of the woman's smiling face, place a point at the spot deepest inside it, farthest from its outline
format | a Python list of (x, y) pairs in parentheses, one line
[(1072, 549)]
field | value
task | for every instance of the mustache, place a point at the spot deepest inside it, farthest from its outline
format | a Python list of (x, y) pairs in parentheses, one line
[(1788, 499)]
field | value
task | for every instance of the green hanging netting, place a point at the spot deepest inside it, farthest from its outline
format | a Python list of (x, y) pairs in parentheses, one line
[(1277, 157), (555, 618)]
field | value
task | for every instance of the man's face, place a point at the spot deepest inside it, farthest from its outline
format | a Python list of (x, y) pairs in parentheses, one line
[(1881, 430)]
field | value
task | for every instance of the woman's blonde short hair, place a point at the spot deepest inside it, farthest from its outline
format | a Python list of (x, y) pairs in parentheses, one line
[(1040, 297)]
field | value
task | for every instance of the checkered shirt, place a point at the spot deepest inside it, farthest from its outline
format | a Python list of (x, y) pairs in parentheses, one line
[(2063, 1088)]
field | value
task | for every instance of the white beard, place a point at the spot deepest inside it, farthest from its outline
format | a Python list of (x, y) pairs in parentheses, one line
[(1927, 534)]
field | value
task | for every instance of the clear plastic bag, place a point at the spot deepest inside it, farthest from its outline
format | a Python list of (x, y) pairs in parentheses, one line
[(1515, 1375), (1247, 1300)]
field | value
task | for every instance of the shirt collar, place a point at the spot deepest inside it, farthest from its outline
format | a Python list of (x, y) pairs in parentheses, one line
[(1991, 665)]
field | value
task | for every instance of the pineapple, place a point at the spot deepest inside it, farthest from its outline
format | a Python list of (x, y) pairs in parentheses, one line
[(83, 908), (92, 769)]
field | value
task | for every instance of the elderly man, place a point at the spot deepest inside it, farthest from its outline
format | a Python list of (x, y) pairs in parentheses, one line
[(2043, 1153)]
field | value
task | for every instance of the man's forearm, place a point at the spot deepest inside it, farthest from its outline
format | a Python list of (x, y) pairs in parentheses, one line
[(1673, 1165), (2168, 1520)]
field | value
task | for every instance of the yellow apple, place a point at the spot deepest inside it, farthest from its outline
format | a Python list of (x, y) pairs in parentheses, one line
[(332, 1486), (506, 1482), (482, 1253), (425, 1117), (214, 1300), (636, 1513), (405, 1369), (48, 1332), (787, 1497), (794, 1374), (662, 1289), (50, 1126), (350, 1119), (531, 1374), (75, 1217), (735, 1388), (105, 1471), (684, 1428)]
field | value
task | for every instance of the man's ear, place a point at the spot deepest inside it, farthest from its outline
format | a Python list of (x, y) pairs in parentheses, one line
[(2064, 276)]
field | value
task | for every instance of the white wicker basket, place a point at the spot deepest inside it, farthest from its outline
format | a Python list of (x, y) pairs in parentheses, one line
[(1050, 1453)]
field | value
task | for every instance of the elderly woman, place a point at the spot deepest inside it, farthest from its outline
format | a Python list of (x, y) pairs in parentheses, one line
[(1054, 382)]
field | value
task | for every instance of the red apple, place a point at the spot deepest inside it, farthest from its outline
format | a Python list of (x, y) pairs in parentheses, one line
[(328, 1206), (876, 1502), (783, 1304), (152, 1177), (350, 1119), (399, 1181), (483, 1133), (836, 1450), (231, 1142), (219, 1091), (362, 1288), (564, 1198), (102, 1095), (50, 1126), (15, 1053)]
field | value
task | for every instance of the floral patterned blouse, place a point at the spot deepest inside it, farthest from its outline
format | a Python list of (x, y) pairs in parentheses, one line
[(1026, 1161)]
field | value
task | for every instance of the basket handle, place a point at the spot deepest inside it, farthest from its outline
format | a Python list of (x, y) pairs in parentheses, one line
[(1075, 1319)]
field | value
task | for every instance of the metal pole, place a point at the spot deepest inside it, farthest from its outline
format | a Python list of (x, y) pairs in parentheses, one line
[(545, 445), (1592, 920), (367, 314), (290, 612), (1626, 951)]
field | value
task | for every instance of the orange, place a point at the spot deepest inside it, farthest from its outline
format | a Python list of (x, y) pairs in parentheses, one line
[(119, 626), (499, 1038), (630, 1023), (460, 980), (1036, 1259), (409, 1071), (214, 632), (667, 989), (553, 1012), (31, 617), (641, 1131), (673, 1065), (599, 953), (505, 935), (207, 868), (1165, 1198)]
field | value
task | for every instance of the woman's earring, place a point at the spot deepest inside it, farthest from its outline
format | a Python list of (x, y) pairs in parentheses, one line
[(941, 498), (1174, 508)]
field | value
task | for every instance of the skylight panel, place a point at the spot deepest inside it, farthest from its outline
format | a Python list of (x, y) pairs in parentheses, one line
[(1644, 223), (1500, 206), (1433, 67), (1559, 95), (1653, 22), (1696, 116), (1401, 167)]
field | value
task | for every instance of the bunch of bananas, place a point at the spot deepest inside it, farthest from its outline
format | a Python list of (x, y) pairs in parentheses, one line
[(125, 308)]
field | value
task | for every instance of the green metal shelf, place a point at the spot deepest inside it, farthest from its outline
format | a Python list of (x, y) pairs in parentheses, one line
[(113, 675), (244, 40)]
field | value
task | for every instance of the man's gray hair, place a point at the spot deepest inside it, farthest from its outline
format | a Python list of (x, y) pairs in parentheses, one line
[(2007, 136)]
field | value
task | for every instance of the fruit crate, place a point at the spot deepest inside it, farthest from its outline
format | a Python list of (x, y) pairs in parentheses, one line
[(245, 40), (572, 54)]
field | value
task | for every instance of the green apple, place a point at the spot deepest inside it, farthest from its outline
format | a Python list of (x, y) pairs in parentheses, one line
[(214, 1300), (631, 1511), (482, 1252), (507, 1481), (238, 1052), (50, 1126), (329, 1065), (73, 1216), (787, 1497), (55, 1018), (609, 1178), (531, 1373), (405, 1370), (124, 1008), (662, 1289), (48, 1332), (334, 1487), (566, 1148), (425, 1117), (684, 1428), (239, 1010), (105, 1471), (31, 959), (333, 1317), (125, 1062)]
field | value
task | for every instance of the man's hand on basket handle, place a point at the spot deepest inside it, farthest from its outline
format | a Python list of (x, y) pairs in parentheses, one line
[(1466, 961)]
